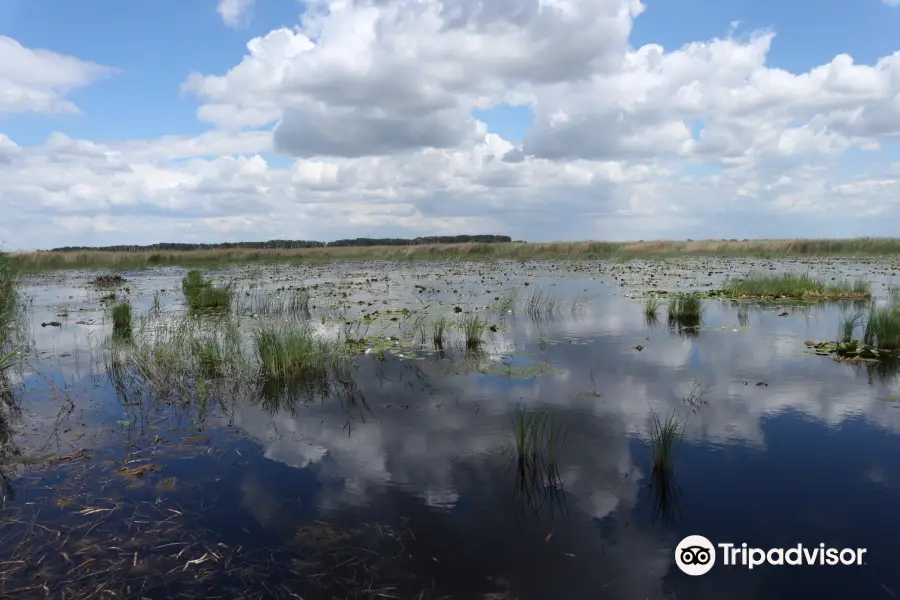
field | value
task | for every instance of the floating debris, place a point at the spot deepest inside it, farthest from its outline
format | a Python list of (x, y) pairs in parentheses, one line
[(107, 280), (136, 471)]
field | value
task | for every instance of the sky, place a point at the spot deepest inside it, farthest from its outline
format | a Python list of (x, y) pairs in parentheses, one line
[(228, 120)]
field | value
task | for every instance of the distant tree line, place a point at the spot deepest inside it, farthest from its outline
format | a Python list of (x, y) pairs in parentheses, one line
[(285, 244)]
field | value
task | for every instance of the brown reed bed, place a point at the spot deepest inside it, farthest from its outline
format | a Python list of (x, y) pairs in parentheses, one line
[(46, 260)]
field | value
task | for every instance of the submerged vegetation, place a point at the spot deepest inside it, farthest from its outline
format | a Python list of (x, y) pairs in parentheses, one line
[(796, 287)]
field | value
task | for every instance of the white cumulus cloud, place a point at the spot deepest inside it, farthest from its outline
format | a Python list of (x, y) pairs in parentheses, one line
[(371, 106), (234, 11), (33, 80)]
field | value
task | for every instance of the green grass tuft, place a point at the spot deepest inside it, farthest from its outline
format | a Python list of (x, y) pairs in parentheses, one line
[(665, 437), (210, 356), (473, 330), (797, 287), (537, 442), (537, 436), (202, 295), (290, 355), (651, 309), (295, 304), (175, 356), (121, 316), (848, 327), (507, 304), (438, 330), (883, 328), (8, 299), (542, 305), (685, 309)]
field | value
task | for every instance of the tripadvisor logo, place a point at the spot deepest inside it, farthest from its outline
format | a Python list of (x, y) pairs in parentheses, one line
[(696, 555)]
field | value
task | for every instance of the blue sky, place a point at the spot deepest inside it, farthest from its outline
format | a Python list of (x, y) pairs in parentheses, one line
[(154, 47), (156, 50)]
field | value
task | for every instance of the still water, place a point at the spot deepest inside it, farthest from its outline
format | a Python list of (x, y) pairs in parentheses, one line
[(401, 483)]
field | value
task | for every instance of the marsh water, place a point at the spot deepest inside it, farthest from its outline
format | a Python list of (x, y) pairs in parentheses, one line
[(400, 482)]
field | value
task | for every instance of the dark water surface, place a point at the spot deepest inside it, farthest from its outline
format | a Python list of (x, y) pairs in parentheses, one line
[(402, 484)]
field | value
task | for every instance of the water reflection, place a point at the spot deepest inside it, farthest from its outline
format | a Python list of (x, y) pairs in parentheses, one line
[(417, 456), (535, 445), (667, 496)]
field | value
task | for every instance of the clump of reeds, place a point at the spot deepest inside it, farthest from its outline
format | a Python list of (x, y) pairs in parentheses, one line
[(438, 329), (8, 298), (473, 328), (178, 357), (883, 328), (537, 436), (299, 303), (192, 282), (210, 356), (122, 319), (685, 309), (202, 295), (267, 303), (848, 327), (743, 315), (537, 442), (291, 355), (651, 309), (541, 304), (893, 292), (665, 437), (6, 360), (796, 286), (507, 305)]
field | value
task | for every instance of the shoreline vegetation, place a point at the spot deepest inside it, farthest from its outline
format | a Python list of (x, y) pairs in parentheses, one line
[(488, 247), (9, 302)]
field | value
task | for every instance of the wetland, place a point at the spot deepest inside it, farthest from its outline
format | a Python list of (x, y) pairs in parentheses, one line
[(503, 429)]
